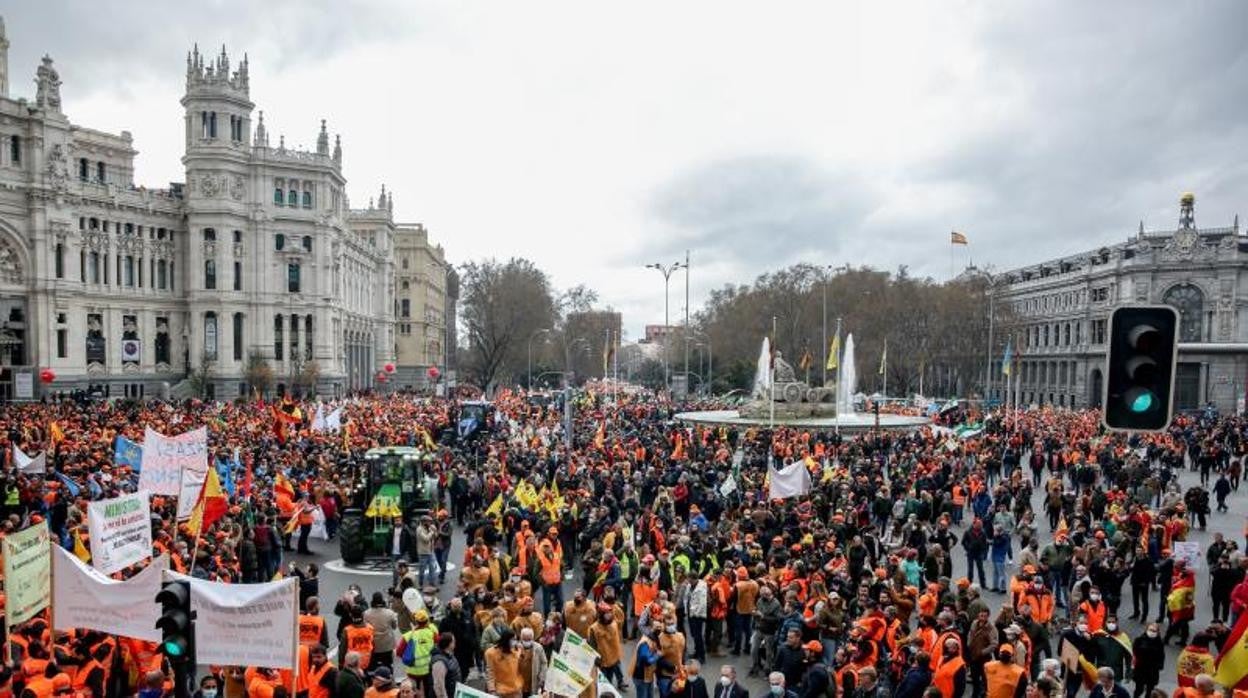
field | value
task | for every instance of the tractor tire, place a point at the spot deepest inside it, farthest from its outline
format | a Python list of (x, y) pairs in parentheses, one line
[(351, 537)]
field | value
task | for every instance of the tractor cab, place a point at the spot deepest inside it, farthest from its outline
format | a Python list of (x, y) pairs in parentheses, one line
[(392, 485)]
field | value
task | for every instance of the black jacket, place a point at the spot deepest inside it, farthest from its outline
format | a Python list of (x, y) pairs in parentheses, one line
[(1150, 658), (733, 691)]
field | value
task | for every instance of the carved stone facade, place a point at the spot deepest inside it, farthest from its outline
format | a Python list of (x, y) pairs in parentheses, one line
[(1061, 309), (258, 258)]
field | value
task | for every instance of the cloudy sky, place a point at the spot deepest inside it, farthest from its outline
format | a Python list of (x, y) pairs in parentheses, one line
[(595, 137)]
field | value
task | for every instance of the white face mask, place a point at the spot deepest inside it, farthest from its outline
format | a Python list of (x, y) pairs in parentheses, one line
[(209, 692), (1152, 633), (1094, 597), (526, 643), (1111, 627), (725, 681), (1082, 627)]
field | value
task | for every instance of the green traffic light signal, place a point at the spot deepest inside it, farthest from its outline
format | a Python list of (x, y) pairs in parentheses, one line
[(1140, 367)]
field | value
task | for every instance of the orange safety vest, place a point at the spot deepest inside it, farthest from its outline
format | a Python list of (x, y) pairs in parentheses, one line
[(1002, 678), (360, 640), (315, 689), (1095, 614), (938, 653), (310, 629), (1041, 606), (305, 516), (80, 680), (945, 675), (552, 566), (643, 595), (959, 496)]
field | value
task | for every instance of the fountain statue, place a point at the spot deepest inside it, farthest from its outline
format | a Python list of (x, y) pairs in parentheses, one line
[(847, 380), (777, 390)]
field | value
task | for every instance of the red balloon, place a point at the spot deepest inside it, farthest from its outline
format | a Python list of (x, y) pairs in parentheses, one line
[(433, 372), (47, 375), (381, 376), (389, 368)]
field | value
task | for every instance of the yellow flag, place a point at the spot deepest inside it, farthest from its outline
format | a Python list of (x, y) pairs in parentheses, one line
[(834, 353), (496, 507), (80, 550), (55, 435)]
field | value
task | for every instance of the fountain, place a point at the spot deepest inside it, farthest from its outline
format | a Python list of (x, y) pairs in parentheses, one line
[(779, 398)]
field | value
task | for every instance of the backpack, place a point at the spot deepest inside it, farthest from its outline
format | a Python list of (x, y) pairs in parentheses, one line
[(409, 651)]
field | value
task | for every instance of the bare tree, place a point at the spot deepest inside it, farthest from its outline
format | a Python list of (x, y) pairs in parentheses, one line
[(503, 305)]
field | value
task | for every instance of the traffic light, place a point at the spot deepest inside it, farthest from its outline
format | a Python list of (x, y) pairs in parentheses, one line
[(1139, 368), (177, 641)]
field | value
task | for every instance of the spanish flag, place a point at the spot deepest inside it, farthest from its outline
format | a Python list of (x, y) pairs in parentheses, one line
[(1181, 603), (1232, 661), (600, 438), (211, 506), (956, 238), (282, 486)]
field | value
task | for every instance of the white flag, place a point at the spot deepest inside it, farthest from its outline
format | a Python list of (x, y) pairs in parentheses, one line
[(26, 464), (318, 421), (333, 422), (793, 480)]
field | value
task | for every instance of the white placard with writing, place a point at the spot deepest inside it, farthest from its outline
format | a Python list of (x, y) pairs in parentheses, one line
[(121, 531), (165, 457)]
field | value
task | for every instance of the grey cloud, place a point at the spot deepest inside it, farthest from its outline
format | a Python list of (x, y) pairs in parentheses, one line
[(105, 46), (760, 209)]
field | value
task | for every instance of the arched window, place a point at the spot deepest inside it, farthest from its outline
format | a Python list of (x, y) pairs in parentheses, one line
[(1189, 300), (279, 242), (307, 242), (210, 274), (210, 336), (238, 236), (277, 195), (292, 198), (307, 199)]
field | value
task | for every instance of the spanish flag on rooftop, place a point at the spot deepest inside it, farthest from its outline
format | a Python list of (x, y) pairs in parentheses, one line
[(956, 238)]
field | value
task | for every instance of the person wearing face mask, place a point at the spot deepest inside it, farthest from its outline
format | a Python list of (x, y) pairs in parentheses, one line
[(1076, 642), (1107, 686), (1094, 610), (672, 648), (1113, 649), (776, 687), (1150, 659), (532, 663), (695, 685), (208, 688), (728, 686)]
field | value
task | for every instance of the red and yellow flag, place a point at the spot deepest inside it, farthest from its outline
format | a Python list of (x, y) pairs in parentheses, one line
[(1232, 661), (211, 506), (600, 438), (55, 434), (282, 486), (1181, 603)]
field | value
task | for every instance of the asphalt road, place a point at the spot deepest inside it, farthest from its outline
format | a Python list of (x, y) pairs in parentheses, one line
[(334, 583)]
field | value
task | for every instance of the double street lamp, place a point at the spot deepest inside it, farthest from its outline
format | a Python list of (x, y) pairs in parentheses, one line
[(529, 374), (666, 270)]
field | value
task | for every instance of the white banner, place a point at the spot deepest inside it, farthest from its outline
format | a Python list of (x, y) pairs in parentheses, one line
[(121, 531), (563, 679), (193, 479), (245, 624), (577, 651), (164, 458), (793, 480), (26, 464), (27, 573), (729, 486), (463, 690), (324, 422), (1189, 552), (83, 597)]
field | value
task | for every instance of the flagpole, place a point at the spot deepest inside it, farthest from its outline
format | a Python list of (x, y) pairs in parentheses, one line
[(839, 369)]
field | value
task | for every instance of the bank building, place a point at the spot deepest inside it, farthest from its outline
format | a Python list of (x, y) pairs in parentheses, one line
[(255, 264)]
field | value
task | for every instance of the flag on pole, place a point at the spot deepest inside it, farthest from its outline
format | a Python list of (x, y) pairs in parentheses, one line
[(956, 238), (884, 357), (806, 361), (1008, 359), (55, 434), (834, 353), (80, 548), (281, 485), (211, 506)]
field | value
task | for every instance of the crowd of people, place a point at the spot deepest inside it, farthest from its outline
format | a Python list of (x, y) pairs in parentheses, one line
[(657, 543)]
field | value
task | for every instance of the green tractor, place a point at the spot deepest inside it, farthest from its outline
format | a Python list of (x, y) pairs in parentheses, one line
[(391, 483)]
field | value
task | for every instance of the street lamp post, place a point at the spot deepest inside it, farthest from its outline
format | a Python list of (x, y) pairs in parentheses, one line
[(528, 385), (666, 271)]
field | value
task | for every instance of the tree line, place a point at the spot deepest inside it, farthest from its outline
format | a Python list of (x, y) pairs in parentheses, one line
[(515, 323)]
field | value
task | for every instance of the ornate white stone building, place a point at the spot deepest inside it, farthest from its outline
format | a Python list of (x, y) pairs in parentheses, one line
[(257, 259), (1060, 313)]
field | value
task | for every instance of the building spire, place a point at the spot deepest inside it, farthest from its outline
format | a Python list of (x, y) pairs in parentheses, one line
[(262, 134), (338, 149), (1187, 211), (322, 140)]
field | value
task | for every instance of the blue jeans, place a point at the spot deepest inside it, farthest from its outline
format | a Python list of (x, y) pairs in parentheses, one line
[(425, 566), (1058, 587), (552, 598), (999, 580), (643, 689), (441, 556), (697, 629), (744, 623)]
